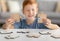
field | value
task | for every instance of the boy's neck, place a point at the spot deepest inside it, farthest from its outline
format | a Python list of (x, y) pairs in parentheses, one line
[(30, 21)]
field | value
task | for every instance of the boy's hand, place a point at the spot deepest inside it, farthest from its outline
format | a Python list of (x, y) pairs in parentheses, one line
[(10, 21), (47, 21), (8, 24), (49, 25)]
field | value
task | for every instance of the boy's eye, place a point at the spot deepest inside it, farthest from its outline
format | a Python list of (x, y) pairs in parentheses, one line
[(32, 9)]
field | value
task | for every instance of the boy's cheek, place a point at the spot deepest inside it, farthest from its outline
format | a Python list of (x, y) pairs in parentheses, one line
[(35, 13)]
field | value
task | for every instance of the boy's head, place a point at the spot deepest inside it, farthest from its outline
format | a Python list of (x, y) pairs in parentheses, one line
[(30, 8)]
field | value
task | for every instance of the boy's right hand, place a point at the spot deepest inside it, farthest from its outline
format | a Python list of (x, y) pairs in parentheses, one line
[(10, 21)]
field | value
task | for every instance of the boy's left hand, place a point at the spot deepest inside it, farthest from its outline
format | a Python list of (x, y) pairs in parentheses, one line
[(49, 25), (47, 21)]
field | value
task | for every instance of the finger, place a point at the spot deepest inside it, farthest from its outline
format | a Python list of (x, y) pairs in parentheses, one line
[(49, 21), (10, 20), (44, 20)]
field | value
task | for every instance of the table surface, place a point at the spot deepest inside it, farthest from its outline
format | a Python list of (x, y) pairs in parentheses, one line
[(24, 38)]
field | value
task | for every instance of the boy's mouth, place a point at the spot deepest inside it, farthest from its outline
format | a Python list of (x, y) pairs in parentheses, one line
[(30, 15)]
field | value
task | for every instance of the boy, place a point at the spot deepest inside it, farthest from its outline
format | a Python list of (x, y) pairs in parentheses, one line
[(30, 10)]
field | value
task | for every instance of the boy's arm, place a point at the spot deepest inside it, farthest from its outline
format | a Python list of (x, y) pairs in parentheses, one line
[(9, 26), (52, 26), (13, 21), (4, 26), (49, 25), (42, 18)]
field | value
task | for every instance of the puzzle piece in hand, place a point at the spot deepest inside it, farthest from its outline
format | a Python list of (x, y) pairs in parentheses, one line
[(41, 16), (17, 17)]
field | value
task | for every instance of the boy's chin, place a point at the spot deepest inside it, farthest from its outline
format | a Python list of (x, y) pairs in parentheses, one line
[(31, 18)]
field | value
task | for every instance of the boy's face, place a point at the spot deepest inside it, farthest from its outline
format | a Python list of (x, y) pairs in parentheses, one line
[(30, 11)]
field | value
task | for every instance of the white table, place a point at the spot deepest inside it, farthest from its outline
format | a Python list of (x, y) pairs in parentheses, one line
[(24, 38)]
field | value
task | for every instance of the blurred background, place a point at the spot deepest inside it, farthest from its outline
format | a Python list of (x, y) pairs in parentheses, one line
[(49, 7)]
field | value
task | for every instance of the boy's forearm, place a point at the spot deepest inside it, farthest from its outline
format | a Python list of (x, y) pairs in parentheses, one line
[(6, 27), (52, 26)]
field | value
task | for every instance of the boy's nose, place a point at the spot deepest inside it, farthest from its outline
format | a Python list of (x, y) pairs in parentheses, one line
[(31, 12)]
